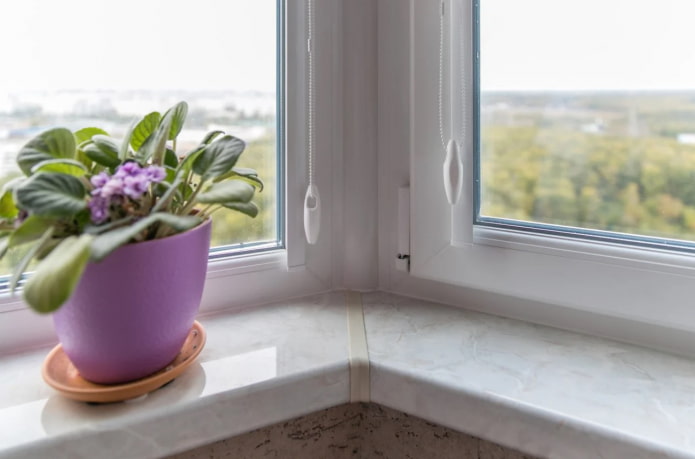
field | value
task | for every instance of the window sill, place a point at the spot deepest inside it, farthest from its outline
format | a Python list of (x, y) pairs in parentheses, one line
[(259, 366), (543, 391)]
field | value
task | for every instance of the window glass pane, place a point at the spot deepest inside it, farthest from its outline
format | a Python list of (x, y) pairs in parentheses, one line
[(587, 114), (79, 63)]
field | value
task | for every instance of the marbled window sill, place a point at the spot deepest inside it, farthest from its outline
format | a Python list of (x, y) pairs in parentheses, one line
[(543, 391)]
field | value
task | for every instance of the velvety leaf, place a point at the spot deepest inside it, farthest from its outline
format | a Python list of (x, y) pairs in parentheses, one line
[(47, 248), (226, 192), (30, 230), (249, 175), (124, 147), (58, 274), (26, 259), (186, 164), (8, 209), (210, 136), (62, 166), (99, 156), (178, 117), (93, 229), (106, 243), (51, 144), (170, 158), (51, 194), (7, 206), (106, 144), (4, 245), (155, 145), (167, 195), (248, 208), (219, 157), (144, 129), (85, 134)]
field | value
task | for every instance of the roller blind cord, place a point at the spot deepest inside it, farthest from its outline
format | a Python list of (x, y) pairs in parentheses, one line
[(453, 164), (312, 201)]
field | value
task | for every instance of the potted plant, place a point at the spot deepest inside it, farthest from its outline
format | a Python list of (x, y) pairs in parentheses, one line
[(121, 231)]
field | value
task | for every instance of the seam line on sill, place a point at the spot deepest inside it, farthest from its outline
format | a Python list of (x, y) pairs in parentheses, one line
[(357, 347)]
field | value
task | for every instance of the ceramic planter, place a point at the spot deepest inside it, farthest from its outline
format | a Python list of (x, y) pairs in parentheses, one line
[(131, 312)]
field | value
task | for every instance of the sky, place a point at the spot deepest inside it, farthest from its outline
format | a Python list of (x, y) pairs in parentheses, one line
[(587, 44), (137, 44)]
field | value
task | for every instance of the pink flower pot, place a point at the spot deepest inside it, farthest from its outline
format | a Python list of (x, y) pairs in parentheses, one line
[(131, 312)]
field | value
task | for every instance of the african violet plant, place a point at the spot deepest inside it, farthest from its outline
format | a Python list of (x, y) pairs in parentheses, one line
[(84, 194)]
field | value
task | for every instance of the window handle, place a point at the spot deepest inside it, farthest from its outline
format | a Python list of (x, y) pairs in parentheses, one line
[(453, 172)]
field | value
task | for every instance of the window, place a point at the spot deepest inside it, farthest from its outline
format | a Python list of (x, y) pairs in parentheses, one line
[(592, 131), (501, 248), (253, 277), (105, 66)]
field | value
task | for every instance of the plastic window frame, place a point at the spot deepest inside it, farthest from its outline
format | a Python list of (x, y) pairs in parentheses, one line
[(645, 285)]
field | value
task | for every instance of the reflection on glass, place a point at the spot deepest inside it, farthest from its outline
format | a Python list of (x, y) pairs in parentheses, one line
[(114, 62), (587, 119)]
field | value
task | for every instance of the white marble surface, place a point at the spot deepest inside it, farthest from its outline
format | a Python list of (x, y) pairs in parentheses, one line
[(258, 367), (544, 391)]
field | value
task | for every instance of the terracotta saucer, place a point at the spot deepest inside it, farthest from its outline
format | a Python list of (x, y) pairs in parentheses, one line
[(59, 372)]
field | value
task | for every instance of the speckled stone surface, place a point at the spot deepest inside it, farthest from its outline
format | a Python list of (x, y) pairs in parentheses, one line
[(361, 431)]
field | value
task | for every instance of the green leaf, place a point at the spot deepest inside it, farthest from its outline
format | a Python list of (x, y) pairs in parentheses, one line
[(124, 147), (84, 138), (170, 159), (106, 243), (167, 195), (8, 208), (186, 164), (30, 230), (4, 245), (47, 248), (104, 227), (210, 136), (85, 134), (26, 259), (99, 156), (144, 129), (107, 144), (62, 166), (51, 144), (249, 175), (226, 192), (178, 116), (155, 145), (51, 194), (58, 274), (248, 208), (219, 157)]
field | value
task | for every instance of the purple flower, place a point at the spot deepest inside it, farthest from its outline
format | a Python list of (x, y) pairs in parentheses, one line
[(100, 179), (135, 186), (98, 208), (155, 173), (131, 169), (113, 187), (129, 181)]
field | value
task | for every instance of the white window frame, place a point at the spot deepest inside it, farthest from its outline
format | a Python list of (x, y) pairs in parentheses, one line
[(574, 276), (298, 269)]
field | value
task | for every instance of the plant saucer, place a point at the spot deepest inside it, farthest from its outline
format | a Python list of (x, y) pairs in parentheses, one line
[(59, 373)]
